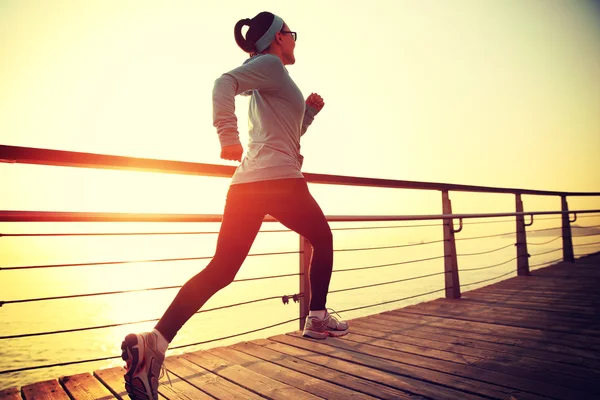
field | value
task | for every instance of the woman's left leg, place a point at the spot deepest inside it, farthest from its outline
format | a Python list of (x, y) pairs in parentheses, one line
[(297, 209)]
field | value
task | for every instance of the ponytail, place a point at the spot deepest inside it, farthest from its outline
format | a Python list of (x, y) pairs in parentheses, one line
[(239, 38)]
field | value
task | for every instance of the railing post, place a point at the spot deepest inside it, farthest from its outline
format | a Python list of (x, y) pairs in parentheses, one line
[(306, 251), (566, 231), (450, 260), (522, 254)]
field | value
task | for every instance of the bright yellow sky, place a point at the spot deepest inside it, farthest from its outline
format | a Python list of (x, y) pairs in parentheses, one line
[(495, 93)]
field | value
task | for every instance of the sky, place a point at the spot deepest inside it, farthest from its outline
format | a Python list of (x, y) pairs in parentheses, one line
[(494, 93)]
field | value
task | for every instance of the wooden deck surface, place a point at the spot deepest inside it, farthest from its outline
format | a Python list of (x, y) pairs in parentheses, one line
[(535, 337)]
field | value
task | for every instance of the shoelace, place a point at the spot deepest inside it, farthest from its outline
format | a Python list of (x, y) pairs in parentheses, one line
[(330, 311), (164, 371)]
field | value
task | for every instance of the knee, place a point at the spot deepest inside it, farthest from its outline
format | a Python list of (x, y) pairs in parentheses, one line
[(222, 270)]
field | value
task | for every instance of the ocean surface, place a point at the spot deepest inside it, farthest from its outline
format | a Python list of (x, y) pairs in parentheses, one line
[(355, 249)]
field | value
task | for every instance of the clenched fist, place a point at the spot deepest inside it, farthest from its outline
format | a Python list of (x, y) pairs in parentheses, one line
[(233, 152), (315, 101)]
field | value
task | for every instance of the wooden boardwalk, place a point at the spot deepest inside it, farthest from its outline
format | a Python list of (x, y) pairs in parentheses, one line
[(535, 337)]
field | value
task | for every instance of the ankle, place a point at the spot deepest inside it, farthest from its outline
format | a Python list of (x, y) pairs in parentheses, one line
[(161, 343), (320, 314)]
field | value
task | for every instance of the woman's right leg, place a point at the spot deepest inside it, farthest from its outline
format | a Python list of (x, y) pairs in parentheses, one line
[(144, 353), (241, 222)]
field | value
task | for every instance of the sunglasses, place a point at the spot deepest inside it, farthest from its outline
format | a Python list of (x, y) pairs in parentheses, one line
[(294, 34)]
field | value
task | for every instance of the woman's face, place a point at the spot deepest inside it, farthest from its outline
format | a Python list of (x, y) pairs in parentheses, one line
[(287, 46)]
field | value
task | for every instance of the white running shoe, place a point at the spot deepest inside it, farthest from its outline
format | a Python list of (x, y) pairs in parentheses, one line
[(317, 328), (144, 362)]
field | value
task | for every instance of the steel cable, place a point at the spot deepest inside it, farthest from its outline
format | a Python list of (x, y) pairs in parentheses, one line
[(546, 252), (489, 266), (390, 247), (118, 357), (488, 222), (131, 290), (198, 233), (549, 241), (546, 263), (487, 280), (179, 286), (387, 265), (486, 236), (386, 283), (385, 227), (136, 322), (393, 301), (588, 227), (236, 335), (543, 230), (136, 261), (589, 234), (486, 252), (586, 244)]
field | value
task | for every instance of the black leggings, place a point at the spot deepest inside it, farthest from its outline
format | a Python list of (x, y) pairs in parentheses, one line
[(288, 201)]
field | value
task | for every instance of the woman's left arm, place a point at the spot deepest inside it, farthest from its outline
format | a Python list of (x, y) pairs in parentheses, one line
[(314, 104)]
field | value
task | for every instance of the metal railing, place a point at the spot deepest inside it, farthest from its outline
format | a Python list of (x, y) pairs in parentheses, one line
[(452, 285)]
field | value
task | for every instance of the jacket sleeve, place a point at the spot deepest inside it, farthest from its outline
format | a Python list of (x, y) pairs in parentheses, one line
[(264, 73), (309, 116)]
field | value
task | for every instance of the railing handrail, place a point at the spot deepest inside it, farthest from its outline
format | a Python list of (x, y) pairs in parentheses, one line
[(31, 155), (70, 216)]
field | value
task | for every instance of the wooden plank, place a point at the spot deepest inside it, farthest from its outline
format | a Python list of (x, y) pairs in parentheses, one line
[(314, 361), (520, 325), (455, 330), (206, 381), (12, 393), (289, 377), (541, 290), (491, 323), (412, 348), (537, 296), (529, 304), (465, 371), (536, 339), (85, 386), (368, 381), (520, 318), (541, 321), (46, 390), (112, 379), (581, 310), (253, 381), (561, 286), (180, 389), (484, 350), (492, 363), (554, 307), (572, 294), (537, 287), (477, 388)]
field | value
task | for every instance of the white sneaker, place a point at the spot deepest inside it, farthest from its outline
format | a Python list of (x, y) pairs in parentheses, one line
[(317, 328), (144, 362)]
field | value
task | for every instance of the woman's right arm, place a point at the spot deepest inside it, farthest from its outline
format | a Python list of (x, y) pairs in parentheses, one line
[(263, 73)]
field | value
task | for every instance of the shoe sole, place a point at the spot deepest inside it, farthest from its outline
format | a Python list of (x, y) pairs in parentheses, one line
[(130, 353), (323, 335)]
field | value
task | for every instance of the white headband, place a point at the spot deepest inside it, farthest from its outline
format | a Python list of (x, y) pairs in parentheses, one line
[(266, 39)]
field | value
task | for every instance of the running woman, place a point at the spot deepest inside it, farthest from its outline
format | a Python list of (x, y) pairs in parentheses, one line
[(268, 181)]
